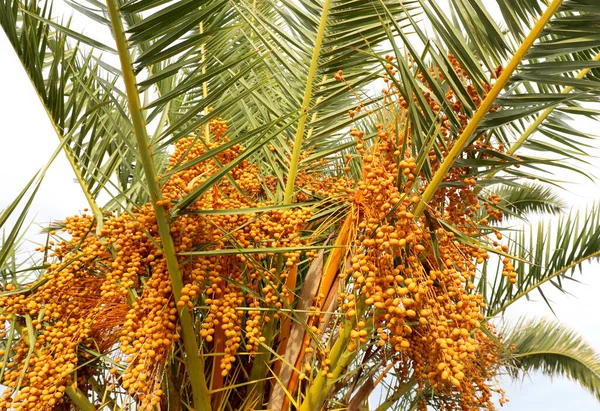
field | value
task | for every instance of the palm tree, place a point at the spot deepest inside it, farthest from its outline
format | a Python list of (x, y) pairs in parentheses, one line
[(220, 270)]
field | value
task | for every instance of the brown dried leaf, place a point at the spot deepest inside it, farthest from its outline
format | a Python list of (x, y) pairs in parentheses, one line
[(307, 295)]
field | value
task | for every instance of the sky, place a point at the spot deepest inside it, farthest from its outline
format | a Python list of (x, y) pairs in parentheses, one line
[(27, 141)]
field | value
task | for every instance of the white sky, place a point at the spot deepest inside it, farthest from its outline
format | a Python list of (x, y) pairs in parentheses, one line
[(27, 141)]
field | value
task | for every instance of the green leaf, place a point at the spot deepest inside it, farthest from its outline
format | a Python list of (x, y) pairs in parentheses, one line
[(531, 198), (555, 350), (80, 37), (550, 252)]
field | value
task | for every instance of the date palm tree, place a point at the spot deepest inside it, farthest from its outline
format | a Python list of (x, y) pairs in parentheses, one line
[(191, 116)]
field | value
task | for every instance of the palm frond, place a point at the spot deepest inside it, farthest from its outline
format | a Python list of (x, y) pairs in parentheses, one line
[(555, 350), (529, 198), (549, 253), (565, 43), (10, 242), (79, 95)]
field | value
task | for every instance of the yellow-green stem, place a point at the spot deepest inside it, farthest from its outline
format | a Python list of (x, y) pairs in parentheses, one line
[(263, 355), (340, 357), (259, 368), (318, 389), (485, 107), (312, 71), (82, 183), (79, 399), (204, 83), (194, 365), (260, 365), (86, 190)]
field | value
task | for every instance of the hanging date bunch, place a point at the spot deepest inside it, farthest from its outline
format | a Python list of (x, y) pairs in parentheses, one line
[(112, 294), (409, 279)]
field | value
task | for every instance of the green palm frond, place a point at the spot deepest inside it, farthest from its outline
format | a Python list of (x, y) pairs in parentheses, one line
[(548, 253), (11, 240), (555, 350), (79, 95), (567, 47), (528, 198), (536, 100), (518, 108), (191, 58), (243, 53)]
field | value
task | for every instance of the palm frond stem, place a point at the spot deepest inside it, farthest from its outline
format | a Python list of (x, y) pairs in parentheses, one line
[(338, 355), (79, 399), (330, 270), (396, 396), (204, 84), (485, 107), (96, 211), (312, 71), (195, 368), (259, 367)]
